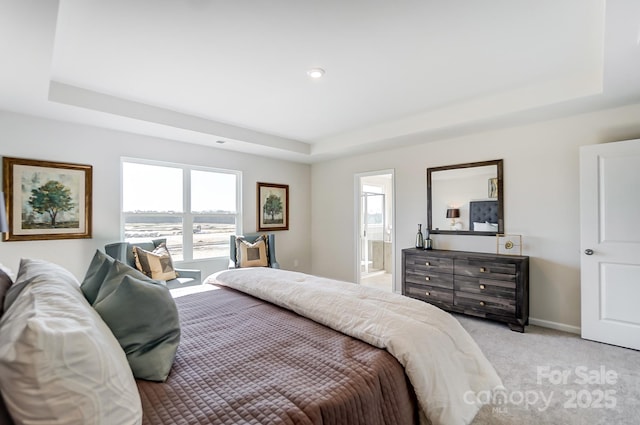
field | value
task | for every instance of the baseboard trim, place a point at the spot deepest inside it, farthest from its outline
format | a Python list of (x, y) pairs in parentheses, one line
[(555, 325)]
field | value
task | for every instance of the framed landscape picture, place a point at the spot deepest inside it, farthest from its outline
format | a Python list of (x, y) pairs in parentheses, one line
[(47, 200), (273, 207), (493, 187)]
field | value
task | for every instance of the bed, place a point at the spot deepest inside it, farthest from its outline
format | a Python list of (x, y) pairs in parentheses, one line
[(483, 216), (257, 346)]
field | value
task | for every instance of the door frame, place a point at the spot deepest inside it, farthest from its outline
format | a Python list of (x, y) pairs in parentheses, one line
[(356, 221)]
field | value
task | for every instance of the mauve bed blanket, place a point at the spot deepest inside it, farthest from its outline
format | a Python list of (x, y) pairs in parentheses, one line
[(242, 360)]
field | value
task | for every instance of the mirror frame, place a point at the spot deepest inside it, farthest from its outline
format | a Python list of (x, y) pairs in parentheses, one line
[(498, 164)]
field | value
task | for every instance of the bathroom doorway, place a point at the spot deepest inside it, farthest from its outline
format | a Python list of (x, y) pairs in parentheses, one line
[(374, 242)]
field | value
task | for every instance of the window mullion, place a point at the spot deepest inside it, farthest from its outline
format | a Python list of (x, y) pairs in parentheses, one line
[(187, 216), (238, 215)]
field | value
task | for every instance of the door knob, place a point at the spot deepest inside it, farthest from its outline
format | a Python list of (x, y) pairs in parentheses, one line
[(588, 251)]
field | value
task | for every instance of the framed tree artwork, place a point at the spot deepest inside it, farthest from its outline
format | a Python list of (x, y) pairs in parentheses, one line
[(47, 200), (493, 187), (273, 207)]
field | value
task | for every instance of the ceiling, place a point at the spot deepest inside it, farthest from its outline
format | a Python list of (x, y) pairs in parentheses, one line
[(397, 73)]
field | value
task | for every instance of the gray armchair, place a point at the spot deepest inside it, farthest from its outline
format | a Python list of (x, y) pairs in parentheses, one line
[(123, 251), (251, 237)]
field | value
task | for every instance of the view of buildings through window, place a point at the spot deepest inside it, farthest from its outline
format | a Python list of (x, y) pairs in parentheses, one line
[(195, 209)]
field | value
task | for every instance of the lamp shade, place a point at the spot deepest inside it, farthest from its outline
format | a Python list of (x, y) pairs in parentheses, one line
[(4, 227), (453, 212)]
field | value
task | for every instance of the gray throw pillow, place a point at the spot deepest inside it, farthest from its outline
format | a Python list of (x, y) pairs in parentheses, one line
[(5, 284), (144, 319), (96, 273)]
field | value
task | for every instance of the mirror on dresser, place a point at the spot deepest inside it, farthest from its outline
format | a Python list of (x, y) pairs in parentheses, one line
[(466, 199)]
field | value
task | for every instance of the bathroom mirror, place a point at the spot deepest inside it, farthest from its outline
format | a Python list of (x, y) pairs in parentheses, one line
[(466, 199)]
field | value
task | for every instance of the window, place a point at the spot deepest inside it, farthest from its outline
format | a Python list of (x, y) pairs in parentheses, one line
[(196, 209)]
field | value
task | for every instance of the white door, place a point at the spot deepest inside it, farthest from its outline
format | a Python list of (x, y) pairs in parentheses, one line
[(610, 242)]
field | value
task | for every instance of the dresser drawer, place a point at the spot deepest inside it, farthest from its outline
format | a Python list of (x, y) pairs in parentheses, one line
[(485, 268), (432, 294), (483, 285), (485, 303), (429, 278), (429, 263)]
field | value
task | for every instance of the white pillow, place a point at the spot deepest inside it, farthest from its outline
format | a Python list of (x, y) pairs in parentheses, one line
[(485, 227), (59, 362)]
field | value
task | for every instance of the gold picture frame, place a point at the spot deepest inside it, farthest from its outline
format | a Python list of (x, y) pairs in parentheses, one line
[(47, 200), (509, 244), (273, 206), (492, 187)]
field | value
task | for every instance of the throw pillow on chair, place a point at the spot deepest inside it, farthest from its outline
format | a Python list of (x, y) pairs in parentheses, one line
[(156, 264), (254, 254)]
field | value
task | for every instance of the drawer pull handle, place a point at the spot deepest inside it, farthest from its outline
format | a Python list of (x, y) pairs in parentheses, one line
[(481, 286), (482, 270), (482, 303), (427, 263), (427, 278), (427, 293)]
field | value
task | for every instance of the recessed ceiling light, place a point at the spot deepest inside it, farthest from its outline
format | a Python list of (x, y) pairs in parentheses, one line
[(315, 73)]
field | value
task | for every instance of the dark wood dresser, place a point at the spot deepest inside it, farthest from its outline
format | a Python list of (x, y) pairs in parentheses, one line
[(492, 286)]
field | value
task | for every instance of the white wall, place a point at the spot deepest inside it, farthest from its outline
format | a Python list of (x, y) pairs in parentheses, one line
[(541, 191), (35, 138)]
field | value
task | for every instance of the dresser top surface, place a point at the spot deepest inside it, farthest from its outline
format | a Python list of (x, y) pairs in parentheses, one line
[(450, 253)]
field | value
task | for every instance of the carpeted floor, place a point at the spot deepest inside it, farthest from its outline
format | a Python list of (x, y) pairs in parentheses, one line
[(553, 377)]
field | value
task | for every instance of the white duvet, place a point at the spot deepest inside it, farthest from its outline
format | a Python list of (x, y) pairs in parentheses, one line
[(443, 363)]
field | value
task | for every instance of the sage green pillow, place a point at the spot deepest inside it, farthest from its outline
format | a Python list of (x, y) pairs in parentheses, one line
[(96, 273), (115, 274), (144, 319)]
